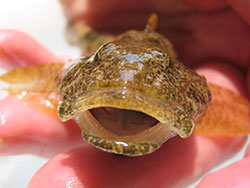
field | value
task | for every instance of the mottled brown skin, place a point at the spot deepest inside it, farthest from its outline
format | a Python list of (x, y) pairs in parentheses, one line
[(141, 64), (139, 61)]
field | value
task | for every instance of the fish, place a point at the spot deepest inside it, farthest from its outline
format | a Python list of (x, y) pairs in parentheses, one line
[(132, 94)]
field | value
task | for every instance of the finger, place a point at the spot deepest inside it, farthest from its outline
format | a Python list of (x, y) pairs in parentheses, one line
[(202, 37), (243, 7), (17, 49), (224, 75), (25, 129), (177, 163), (235, 175), (24, 126), (226, 176), (197, 36), (91, 10)]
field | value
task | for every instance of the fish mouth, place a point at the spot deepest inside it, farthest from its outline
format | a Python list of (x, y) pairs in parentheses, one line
[(125, 122), (128, 130)]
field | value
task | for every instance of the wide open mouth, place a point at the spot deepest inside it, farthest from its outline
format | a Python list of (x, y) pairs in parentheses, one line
[(123, 122), (126, 122), (121, 131)]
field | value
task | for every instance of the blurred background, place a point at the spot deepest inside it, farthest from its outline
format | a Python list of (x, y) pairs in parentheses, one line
[(44, 20)]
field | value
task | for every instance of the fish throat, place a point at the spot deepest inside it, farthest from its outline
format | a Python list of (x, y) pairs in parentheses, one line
[(123, 122)]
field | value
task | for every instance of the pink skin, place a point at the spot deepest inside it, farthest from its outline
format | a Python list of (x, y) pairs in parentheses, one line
[(22, 51), (21, 132), (234, 175), (16, 135), (179, 162), (175, 164), (219, 33)]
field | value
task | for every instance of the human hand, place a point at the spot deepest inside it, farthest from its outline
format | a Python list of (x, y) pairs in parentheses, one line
[(91, 168), (212, 32)]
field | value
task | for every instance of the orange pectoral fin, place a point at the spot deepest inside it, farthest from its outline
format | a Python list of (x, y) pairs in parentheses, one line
[(228, 114), (40, 78), (35, 86)]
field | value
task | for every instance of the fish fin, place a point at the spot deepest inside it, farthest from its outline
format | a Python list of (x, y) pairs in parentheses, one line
[(152, 23), (40, 78), (228, 114)]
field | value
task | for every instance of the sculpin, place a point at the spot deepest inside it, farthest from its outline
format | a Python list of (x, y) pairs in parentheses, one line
[(135, 91)]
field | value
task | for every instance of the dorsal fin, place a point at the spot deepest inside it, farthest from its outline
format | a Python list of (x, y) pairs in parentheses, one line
[(152, 23)]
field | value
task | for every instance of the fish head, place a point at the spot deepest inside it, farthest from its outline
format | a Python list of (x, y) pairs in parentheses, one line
[(130, 96)]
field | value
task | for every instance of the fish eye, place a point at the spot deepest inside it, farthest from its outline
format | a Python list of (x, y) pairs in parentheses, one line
[(154, 40), (96, 56)]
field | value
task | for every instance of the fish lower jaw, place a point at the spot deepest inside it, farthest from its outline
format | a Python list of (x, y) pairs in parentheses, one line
[(120, 147), (140, 143)]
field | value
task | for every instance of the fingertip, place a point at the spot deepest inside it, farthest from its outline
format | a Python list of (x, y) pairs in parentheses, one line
[(89, 167), (234, 175), (26, 129), (60, 171), (224, 75), (18, 49)]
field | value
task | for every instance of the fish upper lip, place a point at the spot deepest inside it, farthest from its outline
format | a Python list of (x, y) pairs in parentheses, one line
[(86, 102), (129, 100)]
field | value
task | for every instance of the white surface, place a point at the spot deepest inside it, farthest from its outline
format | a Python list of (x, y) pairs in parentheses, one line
[(44, 20), (16, 171)]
